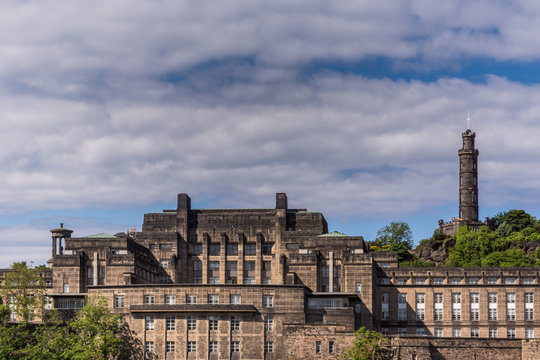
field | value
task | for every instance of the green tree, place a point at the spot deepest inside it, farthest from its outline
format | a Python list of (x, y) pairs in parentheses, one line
[(514, 220), (367, 345), (397, 236)]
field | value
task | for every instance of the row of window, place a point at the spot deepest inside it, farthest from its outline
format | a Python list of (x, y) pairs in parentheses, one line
[(170, 346), (232, 249), (231, 273), (474, 301), (268, 300), (318, 347), (170, 323), (422, 280), (474, 332)]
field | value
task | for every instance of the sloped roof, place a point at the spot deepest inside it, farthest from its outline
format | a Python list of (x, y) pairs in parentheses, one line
[(333, 234), (100, 236)]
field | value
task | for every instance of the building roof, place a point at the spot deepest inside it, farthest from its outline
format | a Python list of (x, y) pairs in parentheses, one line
[(100, 236), (333, 234)]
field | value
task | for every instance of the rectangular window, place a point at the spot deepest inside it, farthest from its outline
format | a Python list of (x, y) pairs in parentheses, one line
[(528, 281), (438, 281), (511, 333), (212, 323), (529, 306), (402, 281), (191, 323), (475, 332), (268, 346), (511, 314), (197, 249), (235, 323), (231, 273), (235, 346), (170, 299), (232, 249), (250, 249), (149, 346), (474, 281), (420, 280), (456, 314), (493, 333), (191, 346), (337, 278), (249, 272), (325, 278), (492, 306), (119, 301), (170, 322), (169, 346), (358, 288), (213, 272), (317, 347), (420, 306), (165, 247), (438, 314), (214, 249), (331, 347), (66, 288), (510, 280), (438, 332), (529, 314), (492, 280), (149, 323), (492, 314), (402, 331), (438, 306), (191, 299), (475, 314), (268, 301), (420, 331), (165, 262), (149, 299), (267, 249), (456, 332), (268, 323), (529, 333), (455, 281), (267, 272), (402, 314), (236, 299), (213, 299), (197, 271), (510, 306)]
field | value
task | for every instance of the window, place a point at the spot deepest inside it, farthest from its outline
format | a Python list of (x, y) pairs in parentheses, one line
[(456, 332), (212, 323), (456, 298), (197, 271), (268, 301), (492, 314), (250, 249), (493, 333), (149, 299), (191, 299), (511, 333), (455, 281), (401, 281), (510, 280), (165, 247), (331, 347), (511, 314), (149, 346), (475, 332), (384, 331), (528, 281), (402, 307), (149, 323), (511, 306), (529, 333), (529, 306), (529, 314), (48, 283), (438, 281), (235, 346), (236, 299), (170, 299), (191, 323), (191, 346), (420, 298), (232, 249), (438, 306), (235, 323), (317, 347), (402, 314), (438, 332), (169, 346), (475, 314), (420, 280), (420, 331), (213, 249), (249, 272), (164, 279), (420, 303), (213, 299), (267, 249), (165, 262), (402, 331), (213, 272), (492, 280), (358, 287), (268, 346), (492, 306), (438, 314), (66, 288), (268, 323), (197, 249), (456, 314), (231, 274), (170, 322), (119, 301), (474, 281), (267, 272)]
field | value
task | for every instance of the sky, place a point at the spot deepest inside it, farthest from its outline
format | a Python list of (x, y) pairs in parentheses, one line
[(353, 108)]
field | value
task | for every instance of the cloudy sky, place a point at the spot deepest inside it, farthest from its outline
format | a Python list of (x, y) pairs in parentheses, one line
[(354, 108)]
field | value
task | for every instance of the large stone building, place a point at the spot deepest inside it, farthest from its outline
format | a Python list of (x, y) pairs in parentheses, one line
[(274, 283)]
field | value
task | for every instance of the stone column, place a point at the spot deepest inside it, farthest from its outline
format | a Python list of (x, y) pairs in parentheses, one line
[(331, 271), (96, 267)]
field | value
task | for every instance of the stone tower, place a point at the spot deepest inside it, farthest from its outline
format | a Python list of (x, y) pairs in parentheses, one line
[(468, 178)]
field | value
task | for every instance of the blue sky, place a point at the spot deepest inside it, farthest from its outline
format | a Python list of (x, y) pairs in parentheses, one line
[(352, 108)]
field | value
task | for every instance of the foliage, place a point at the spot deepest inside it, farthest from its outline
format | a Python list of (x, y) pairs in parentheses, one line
[(396, 236), (437, 234), (23, 289), (513, 220), (367, 345), (93, 334)]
